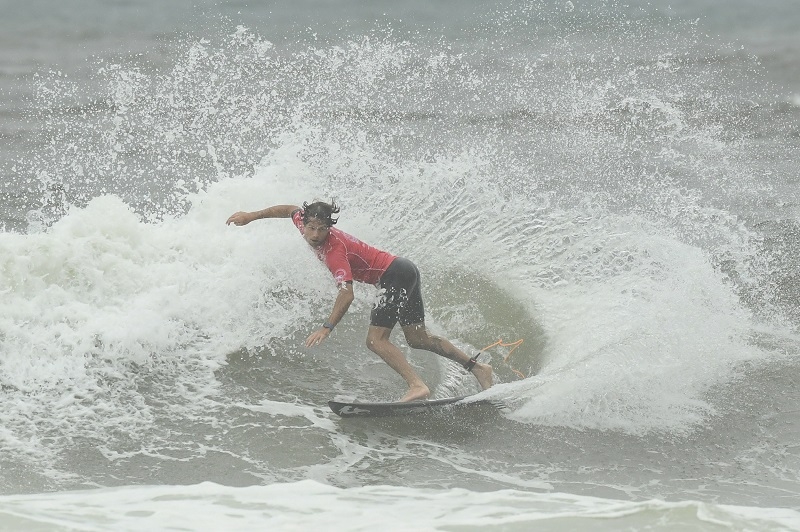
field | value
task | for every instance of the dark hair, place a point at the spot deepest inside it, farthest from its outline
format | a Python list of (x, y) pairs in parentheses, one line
[(321, 211)]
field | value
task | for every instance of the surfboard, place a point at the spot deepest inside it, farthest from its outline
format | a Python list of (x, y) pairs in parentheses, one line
[(357, 409)]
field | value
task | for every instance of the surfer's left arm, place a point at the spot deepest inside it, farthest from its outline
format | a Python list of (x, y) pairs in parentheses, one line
[(340, 306)]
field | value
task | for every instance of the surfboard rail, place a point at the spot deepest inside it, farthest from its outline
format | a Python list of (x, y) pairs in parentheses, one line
[(382, 409)]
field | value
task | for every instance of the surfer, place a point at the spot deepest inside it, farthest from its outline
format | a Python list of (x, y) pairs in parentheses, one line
[(350, 259)]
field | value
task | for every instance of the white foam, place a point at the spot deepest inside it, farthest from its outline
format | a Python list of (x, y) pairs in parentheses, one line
[(640, 324), (103, 292), (277, 408), (615, 257), (309, 504)]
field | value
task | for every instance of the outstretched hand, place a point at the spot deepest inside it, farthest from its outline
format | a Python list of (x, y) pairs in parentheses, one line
[(239, 218), (317, 337)]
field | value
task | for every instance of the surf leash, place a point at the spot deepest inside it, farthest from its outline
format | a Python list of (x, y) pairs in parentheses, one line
[(500, 343)]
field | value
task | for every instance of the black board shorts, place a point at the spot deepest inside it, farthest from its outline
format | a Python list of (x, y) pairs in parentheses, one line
[(401, 297)]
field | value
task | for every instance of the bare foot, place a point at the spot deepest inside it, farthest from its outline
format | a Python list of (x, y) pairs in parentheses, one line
[(483, 372), (416, 393)]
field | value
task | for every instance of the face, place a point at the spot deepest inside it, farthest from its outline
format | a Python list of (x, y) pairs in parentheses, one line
[(315, 232)]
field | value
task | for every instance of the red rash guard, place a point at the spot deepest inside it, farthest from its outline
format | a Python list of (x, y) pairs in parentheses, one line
[(348, 258)]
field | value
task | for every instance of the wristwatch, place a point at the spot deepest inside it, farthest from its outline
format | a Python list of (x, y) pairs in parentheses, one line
[(328, 325)]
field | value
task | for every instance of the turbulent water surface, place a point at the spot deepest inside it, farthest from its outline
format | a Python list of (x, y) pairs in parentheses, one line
[(614, 184)]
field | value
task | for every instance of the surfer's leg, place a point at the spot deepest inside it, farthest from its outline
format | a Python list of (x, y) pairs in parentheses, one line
[(418, 337), (378, 342)]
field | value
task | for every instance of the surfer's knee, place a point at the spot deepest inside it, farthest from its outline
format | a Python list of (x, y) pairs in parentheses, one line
[(374, 343), (370, 343), (418, 342), (376, 338), (417, 337)]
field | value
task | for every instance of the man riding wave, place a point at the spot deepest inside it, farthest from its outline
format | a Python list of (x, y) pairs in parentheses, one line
[(349, 259)]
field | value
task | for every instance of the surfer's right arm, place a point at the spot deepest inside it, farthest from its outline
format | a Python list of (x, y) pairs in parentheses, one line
[(276, 211)]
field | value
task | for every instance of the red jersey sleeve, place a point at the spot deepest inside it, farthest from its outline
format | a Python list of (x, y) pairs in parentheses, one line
[(297, 218)]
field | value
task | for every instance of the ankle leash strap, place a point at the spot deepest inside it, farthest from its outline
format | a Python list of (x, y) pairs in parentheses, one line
[(471, 363)]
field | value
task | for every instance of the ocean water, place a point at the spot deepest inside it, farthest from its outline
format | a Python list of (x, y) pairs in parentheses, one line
[(614, 183)]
